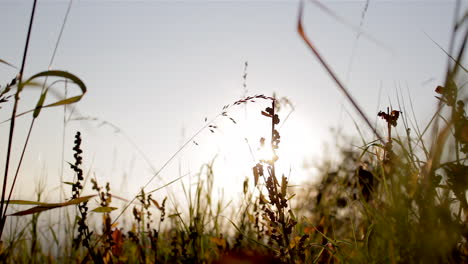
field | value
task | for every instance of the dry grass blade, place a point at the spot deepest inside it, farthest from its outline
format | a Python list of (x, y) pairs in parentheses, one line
[(457, 62), (300, 30)]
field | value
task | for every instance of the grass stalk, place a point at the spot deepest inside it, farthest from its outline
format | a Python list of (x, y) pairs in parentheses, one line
[(12, 121)]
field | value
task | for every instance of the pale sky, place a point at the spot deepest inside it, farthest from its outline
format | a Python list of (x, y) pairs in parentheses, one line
[(156, 69)]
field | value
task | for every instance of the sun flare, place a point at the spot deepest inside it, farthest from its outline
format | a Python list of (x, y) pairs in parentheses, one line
[(240, 146)]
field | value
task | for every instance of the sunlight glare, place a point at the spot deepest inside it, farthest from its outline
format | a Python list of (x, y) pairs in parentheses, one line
[(239, 148)]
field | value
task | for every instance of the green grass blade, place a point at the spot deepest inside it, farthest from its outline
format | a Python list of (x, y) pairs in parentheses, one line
[(104, 209)]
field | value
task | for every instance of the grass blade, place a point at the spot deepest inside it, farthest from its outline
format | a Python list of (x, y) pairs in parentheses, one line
[(48, 206), (300, 30)]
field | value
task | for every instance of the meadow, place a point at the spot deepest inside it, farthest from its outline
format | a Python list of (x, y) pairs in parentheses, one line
[(396, 197)]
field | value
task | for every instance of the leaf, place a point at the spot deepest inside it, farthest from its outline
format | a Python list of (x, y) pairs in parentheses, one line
[(78, 200), (70, 100), (174, 215), (53, 73), (69, 183), (104, 209), (57, 73), (48, 206), (251, 218), (34, 210), (290, 197), (266, 114), (39, 104), (24, 202)]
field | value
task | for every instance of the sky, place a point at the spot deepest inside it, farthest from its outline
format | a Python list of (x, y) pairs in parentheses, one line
[(156, 69)]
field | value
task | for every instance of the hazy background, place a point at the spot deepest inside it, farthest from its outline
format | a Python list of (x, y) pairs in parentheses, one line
[(156, 69)]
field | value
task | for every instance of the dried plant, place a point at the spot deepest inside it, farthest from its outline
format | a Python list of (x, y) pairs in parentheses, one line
[(277, 216)]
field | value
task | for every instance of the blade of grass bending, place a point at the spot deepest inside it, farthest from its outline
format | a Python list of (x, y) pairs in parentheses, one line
[(49, 206), (40, 103), (7, 63), (12, 123), (344, 22), (301, 32), (58, 73), (39, 106)]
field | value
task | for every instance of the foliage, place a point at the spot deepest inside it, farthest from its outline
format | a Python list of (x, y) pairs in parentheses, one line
[(398, 199)]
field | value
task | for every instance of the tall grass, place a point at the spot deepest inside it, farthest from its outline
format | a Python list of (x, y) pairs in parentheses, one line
[(397, 198)]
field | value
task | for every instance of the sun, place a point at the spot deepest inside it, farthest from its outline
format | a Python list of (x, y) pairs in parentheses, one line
[(240, 146), (266, 153)]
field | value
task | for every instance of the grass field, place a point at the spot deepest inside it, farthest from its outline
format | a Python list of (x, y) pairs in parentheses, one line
[(400, 197)]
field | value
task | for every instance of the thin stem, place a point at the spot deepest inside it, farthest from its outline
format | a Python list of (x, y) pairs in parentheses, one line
[(12, 122), (19, 166)]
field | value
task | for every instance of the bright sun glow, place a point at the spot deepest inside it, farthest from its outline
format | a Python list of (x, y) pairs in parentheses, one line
[(239, 147), (265, 153)]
